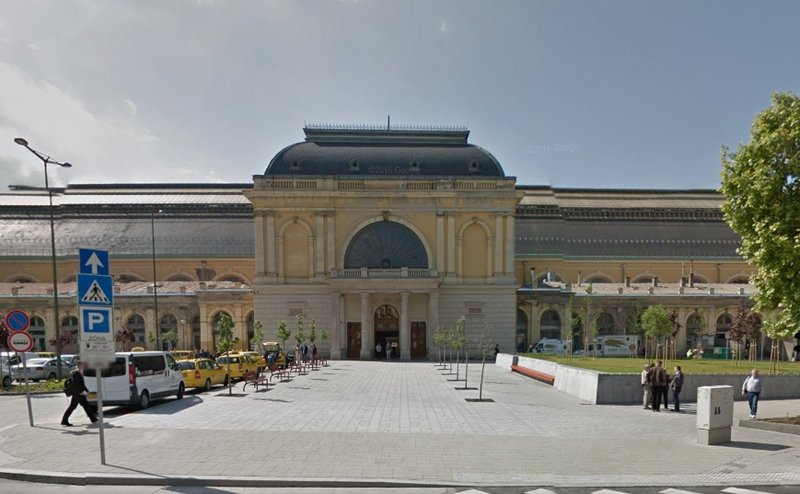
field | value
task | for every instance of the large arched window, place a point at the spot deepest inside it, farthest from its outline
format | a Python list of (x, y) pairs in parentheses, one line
[(551, 324), (724, 323), (605, 324), (385, 244), (136, 324), (522, 330), (37, 331)]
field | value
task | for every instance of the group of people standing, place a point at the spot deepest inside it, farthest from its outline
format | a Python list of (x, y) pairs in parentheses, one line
[(656, 384)]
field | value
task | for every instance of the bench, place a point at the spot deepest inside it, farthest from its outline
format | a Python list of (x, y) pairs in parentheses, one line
[(276, 371), (539, 376), (254, 380)]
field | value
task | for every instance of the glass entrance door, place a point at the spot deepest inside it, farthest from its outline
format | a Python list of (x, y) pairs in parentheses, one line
[(353, 340), (387, 332)]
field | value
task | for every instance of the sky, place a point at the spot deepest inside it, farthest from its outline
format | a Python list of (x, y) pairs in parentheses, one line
[(612, 94)]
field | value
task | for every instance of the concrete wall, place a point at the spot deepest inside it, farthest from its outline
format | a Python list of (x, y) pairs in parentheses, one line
[(606, 389)]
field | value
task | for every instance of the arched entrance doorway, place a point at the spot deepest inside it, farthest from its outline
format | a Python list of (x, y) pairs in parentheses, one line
[(387, 331)]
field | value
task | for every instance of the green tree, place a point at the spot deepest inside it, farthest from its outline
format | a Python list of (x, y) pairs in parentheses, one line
[(226, 341), (299, 337), (778, 326), (589, 317), (761, 185), (323, 335), (458, 341), (283, 334), (258, 336), (656, 324)]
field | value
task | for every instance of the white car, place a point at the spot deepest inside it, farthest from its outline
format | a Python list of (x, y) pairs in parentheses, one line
[(136, 379), (37, 369)]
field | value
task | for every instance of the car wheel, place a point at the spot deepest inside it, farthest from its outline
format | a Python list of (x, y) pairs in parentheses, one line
[(208, 385), (6, 381), (144, 400), (181, 390), (52, 376)]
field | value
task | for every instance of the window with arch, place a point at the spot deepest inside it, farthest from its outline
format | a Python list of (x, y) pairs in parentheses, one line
[(38, 331), (550, 324), (385, 245), (542, 280), (251, 332), (22, 279), (522, 331), (695, 328), (724, 323), (135, 323), (598, 279), (215, 328), (195, 325), (605, 324), (168, 322), (179, 277), (699, 279), (644, 279)]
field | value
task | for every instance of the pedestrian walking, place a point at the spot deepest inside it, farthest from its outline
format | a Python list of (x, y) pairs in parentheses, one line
[(496, 351), (752, 388), (647, 388), (378, 350), (305, 352), (78, 392), (658, 379), (677, 384), (388, 350)]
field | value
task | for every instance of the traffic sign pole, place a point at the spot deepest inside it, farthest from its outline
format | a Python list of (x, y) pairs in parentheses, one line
[(27, 388), (97, 373)]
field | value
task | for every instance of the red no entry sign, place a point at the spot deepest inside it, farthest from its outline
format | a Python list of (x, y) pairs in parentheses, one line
[(16, 320)]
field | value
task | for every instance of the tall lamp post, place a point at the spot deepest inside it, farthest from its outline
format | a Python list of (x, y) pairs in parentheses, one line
[(155, 280), (46, 160)]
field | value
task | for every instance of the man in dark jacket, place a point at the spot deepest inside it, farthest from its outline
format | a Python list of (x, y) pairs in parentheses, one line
[(659, 380), (78, 396), (677, 384)]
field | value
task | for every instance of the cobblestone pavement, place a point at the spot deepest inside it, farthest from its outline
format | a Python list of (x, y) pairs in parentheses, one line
[(402, 422)]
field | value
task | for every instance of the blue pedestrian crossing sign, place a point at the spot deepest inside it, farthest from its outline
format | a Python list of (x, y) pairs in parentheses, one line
[(95, 290), (96, 320), (93, 261)]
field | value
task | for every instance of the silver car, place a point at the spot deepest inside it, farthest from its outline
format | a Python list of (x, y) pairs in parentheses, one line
[(38, 369)]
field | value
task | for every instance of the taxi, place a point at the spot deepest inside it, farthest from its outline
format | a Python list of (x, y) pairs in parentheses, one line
[(258, 359), (202, 373), (182, 354), (273, 349), (240, 364)]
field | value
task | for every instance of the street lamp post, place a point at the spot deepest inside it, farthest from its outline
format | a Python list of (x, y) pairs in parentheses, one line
[(155, 280), (46, 160)]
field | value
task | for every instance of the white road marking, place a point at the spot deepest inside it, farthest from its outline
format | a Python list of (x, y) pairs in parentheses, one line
[(540, 491), (676, 491), (738, 490)]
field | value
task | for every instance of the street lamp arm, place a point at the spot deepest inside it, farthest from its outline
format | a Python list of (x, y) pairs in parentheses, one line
[(47, 160)]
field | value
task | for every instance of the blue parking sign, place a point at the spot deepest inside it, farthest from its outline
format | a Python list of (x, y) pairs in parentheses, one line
[(95, 320)]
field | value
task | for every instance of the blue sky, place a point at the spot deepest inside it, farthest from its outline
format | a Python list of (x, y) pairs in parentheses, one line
[(631, 94)]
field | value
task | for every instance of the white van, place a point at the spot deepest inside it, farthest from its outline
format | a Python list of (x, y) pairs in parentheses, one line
[(550, 345), (137, 378)]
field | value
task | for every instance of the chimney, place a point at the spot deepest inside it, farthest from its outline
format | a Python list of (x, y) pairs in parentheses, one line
[(627, 282), (650, 290), (655, 280), (619, 290), (691, 280), (711, 290), (533, 277), (741, 290), (683, 282)]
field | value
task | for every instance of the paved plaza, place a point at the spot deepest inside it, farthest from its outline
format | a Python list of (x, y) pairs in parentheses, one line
[(377, 423)]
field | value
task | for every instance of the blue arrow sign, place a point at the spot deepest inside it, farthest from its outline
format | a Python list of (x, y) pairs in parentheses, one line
[(95, 290), (93, 261)]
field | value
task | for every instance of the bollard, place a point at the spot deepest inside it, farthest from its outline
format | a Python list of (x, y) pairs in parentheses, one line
[(714, 414)]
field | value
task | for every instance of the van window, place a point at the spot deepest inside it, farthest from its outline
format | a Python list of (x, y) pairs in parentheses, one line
[(147, 365), (117, 368)]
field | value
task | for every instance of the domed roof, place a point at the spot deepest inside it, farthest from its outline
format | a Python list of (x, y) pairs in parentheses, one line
[(397, 152)]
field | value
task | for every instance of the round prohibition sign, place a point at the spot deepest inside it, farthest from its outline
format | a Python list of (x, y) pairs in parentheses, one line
[(20, 341), (16, 320)]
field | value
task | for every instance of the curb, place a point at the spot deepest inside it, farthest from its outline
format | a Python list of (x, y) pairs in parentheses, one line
[(22, 393), (770, 426), (63, 478)]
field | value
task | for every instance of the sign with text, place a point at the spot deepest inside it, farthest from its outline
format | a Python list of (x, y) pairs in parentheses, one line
[(96, 308)]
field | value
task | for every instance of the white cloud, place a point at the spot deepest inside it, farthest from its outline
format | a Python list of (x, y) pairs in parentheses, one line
[(33, 46), (101, 148), (444, 28), (132, 107)]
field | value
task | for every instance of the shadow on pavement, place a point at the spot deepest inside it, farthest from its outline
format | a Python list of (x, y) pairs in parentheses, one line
[(756, 446), (173, 406)]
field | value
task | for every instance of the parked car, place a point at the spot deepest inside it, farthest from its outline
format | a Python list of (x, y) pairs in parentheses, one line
[(37, 369), (46, 354), (273, 349), (240, 364), (73, 360), (136, 379), (182, 354), (202, 373), (258, 359)]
